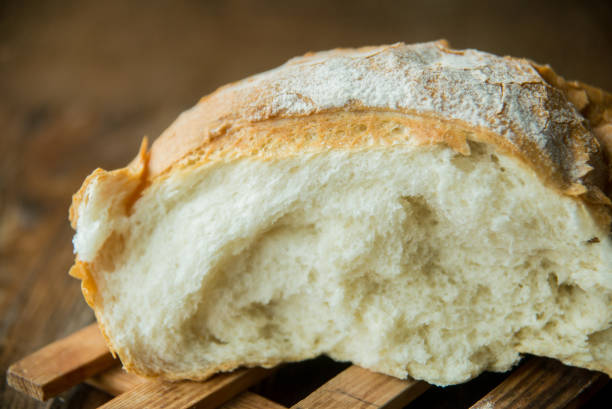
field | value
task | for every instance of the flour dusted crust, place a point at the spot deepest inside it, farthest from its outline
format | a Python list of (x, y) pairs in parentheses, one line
[(522, 108), (561, 130), (501, 99)]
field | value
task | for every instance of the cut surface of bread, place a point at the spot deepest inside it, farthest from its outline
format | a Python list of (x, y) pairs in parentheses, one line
[(411, 243)]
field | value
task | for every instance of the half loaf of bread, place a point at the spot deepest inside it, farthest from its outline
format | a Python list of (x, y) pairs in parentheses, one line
[(414, 209)]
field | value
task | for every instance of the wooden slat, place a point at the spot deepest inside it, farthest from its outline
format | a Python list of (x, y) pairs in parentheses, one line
[(115, 381), (543, 383), (186, 394), (356, 387), (61, 365), (249, 400)]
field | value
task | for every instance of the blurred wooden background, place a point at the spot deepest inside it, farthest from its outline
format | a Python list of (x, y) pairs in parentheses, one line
[(81, 82)]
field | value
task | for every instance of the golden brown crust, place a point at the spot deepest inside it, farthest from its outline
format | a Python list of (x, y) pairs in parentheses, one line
[(135, 171), (365, 129), (532, 116), (596, 107), (536, 118)]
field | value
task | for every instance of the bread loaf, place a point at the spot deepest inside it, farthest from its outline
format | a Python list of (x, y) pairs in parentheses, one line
[(417, 210)]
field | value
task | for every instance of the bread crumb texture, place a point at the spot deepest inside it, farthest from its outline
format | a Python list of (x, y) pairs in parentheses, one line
[(410, 243)]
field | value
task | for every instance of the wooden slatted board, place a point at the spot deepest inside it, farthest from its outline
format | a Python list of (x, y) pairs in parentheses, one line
[(83, 357)]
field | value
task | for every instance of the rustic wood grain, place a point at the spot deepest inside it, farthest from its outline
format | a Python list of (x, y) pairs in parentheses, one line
[(115, 381), (249, 400), (356, 387), (186, 394), (61, 364), (543, 383)]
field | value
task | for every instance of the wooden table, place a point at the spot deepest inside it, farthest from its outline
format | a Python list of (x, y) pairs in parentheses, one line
[(81, 84)]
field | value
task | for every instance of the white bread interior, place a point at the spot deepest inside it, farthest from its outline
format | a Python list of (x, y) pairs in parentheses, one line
[(408, 260)]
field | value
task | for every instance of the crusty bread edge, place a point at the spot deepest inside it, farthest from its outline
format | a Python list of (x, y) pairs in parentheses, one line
[(597, 108)]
